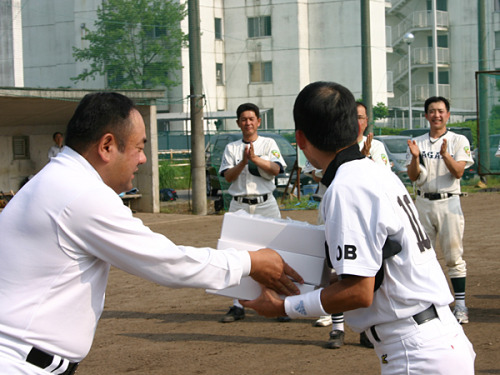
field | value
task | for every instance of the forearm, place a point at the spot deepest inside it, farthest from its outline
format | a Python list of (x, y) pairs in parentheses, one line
[(348, 294), (267, 165), (413, 169), (456, 168), (232, 174)]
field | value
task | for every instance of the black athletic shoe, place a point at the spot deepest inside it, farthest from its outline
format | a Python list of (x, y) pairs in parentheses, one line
[(336, 339), (283, 319), (364, 341), (234, 313)]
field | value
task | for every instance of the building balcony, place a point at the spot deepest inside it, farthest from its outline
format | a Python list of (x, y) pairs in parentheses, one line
[(419, 95), (419, 21), (421, 58)]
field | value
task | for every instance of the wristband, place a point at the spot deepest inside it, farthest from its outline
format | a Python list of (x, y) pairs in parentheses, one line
[(305, 305)]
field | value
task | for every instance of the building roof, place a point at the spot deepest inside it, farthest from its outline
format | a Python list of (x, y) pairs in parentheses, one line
[(40, 107)]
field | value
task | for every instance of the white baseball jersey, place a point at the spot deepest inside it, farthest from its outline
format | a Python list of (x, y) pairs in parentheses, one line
[(363, 207), (247, 183), (59, 235), (439, 179), (378, 152)]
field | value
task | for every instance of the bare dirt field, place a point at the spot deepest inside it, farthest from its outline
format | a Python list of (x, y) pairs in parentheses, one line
[(149, 329)]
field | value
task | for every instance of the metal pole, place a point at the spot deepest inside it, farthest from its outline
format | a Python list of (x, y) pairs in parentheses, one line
[(410, 115), (366, 63), (482, 82), (435, 48), (196, 100)]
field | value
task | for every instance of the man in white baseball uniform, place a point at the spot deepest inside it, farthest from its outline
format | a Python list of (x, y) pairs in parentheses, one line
[(374, 150), (390, 285), (435, 162), (250, 165), (62, 231)]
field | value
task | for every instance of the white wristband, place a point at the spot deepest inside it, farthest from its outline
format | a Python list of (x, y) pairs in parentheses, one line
[(305, 305)]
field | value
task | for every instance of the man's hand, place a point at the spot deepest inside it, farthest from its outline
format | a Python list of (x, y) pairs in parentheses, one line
[(368, 144), (268, 304), (444, 148), (268, 268), (246, 154), (414, 150)]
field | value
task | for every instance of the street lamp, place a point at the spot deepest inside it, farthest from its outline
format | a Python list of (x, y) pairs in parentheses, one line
[(408, 39)]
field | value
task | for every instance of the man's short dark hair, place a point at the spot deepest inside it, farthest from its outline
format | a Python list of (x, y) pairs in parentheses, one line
[(98, 114), (435, 99), (247, 107), (326, 113), (55, 134)]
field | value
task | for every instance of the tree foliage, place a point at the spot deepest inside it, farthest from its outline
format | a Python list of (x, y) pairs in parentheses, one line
[(380, 111), (136, 44)]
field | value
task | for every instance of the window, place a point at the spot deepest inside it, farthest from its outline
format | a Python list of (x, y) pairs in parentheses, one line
[(496, 5), (219, 74), (441, 39), (259, 26), (218, 28), (21, 147), (155, 31), (444, 78), (497, 39), (440, 5), (269, 116), (261, 71)]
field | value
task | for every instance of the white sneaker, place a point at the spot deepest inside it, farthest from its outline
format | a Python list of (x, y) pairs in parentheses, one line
[(461, 314), (323, 321)]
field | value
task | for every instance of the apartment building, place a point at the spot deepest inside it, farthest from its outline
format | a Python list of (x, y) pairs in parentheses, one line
[(266, 51)]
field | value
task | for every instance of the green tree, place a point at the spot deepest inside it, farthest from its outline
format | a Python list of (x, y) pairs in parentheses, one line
[(136, 44), (380, 111)]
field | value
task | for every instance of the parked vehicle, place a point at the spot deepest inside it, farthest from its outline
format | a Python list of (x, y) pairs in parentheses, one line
[(396, 146), (215, 149)]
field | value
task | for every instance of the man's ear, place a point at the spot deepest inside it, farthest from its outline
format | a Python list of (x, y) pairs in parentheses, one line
[(106, 146), (301, 139)]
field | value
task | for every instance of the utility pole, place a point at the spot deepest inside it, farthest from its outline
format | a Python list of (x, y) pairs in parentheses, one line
[(366, 63), (196, 101), (482, 107)]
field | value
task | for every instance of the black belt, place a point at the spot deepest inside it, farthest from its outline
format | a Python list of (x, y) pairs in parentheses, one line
[(255, 200), (43, 360), (420, 318), (434, 196)]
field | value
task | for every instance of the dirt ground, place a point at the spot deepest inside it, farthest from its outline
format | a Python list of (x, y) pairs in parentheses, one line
[(148, 329)]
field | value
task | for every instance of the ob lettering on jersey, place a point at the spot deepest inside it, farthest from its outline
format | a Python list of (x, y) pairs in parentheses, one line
[(348, 252)]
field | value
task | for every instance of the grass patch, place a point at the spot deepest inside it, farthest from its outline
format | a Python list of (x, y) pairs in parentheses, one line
[(174, 174), (293, 203)]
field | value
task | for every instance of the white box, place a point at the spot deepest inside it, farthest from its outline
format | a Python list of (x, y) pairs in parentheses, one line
[(300, 244), (279, 234), (307, 266)]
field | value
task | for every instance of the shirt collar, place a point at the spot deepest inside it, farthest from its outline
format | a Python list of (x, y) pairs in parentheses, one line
[(346, 155)]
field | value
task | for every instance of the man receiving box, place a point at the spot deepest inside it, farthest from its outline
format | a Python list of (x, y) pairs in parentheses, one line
[(62, 231), (391, 285)]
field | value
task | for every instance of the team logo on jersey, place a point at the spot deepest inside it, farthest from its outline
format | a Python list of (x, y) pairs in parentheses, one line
[(383, 357), (467, 150), (384, 159), (276, 154), (348, 252)]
